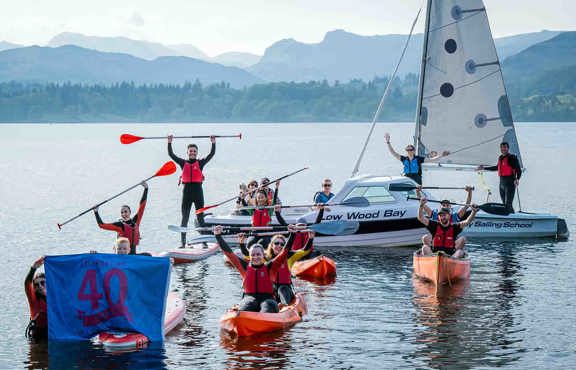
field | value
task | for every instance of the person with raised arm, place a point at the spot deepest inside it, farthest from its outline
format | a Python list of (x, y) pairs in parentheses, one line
[(412, 162), (35, 288), (192, 178)]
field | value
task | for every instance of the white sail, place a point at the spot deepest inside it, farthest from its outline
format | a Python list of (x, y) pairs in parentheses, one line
[(463, 106)]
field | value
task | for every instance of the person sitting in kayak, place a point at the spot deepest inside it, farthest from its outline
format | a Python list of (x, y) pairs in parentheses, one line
[(35, 288), (271, 195), (457, 216), (256, 275), (300, 239), (192, 178), (283, 278), (444, 233), (122, 246), (323, 196), (412, 162), (128, 227)]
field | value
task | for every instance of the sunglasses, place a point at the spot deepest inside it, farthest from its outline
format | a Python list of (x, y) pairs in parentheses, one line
[(409, 149), (278, 242), (327, 185), (40, 283)]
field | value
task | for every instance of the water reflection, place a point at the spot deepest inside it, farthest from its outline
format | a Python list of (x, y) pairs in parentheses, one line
[(261, 351)]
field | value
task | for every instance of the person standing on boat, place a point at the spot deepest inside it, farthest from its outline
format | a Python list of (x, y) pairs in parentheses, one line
[(412, 162), (128, 227), (192, 179), (509, 170), (323, 196), (444, 233)]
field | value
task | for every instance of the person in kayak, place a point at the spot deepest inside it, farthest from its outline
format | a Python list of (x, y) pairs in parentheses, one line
[(300, 239), (122, 246), (192, 178), (323, 196), (35, 288), (128, 227), (271, 195), (283, 278), (412, 162), (256, 275), (509, 171), (262, 216), (445, 234), (455, 216)]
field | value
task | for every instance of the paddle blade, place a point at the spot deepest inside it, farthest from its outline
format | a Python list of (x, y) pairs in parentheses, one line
[(401, 187), (240, 136), (336, 227), (167, 169), (495, 209), (201, 210), (355, 202), (129, 139)]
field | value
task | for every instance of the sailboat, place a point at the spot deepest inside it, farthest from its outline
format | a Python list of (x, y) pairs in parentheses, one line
[(462, 99)]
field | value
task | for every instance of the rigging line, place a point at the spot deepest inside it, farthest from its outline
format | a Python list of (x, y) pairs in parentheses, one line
[(385, 94), (452, 23), (466, 85), (476, 145)]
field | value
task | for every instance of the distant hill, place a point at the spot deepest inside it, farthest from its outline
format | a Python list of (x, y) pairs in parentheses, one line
[(141, 49), (76, 64), (237, 59), (344, 56), (5, 45)]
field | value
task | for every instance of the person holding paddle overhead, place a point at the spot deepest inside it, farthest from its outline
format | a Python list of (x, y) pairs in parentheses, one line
[(444, 233), (256, 275), (509, 171), (445, 203), (192, 179), (412, 162), (35, 288), (128, 227)]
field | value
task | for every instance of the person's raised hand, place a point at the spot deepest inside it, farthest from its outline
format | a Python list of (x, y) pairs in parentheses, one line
[(170, 138)]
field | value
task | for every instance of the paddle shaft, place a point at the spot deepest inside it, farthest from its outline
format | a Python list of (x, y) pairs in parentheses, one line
[(250, 192), (104, 202), (438, 201), (189, 137)]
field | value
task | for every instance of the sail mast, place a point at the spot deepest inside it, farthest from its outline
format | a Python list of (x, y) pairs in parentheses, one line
[(419, 150)]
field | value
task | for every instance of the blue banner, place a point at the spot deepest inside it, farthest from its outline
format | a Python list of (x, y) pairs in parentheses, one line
[(91, 293)]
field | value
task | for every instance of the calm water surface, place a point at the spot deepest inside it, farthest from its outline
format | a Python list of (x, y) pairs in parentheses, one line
[(517, 311)]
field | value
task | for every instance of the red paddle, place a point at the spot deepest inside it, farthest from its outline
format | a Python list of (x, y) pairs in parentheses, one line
[(198, 211), (129, 138), (167, 169)]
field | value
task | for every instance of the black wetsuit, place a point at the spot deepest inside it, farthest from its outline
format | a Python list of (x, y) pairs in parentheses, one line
[(192, 192), (507, 187)]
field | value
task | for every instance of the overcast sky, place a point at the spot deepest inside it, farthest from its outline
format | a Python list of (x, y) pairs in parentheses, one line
[(217, 26)]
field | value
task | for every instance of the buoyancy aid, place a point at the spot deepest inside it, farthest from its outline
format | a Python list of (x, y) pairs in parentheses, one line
[(300, 240), (444, 237), (270, 195), (191, 172), (132, 232), (411, 166), (257, 280), (41, 316), (504, 167), (261, 217), (283, 276)]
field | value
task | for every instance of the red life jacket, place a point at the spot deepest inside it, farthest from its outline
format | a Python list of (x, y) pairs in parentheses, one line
[(257, 280), (130, 232), (283, 276), (270, 197), (261, 217), (504, 168), (444, 238), (38, 312), (192, 173), (300, 240)]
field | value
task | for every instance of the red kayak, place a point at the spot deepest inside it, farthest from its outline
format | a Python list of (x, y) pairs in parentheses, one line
[(193, 252), (244, 323), (319, 268), (174, 315)]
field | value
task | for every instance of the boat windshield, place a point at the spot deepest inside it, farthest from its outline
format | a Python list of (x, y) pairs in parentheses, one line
[(374, 194)]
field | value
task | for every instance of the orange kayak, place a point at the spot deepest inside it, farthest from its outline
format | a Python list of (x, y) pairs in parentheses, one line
[(244, 323), (320, 267), (440, 268)]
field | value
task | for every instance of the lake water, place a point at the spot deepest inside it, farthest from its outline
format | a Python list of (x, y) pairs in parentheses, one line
[(517, 311)]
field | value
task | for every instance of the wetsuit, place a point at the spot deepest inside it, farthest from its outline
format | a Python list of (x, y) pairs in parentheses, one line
[(509, 170), (192, 192), (413, 168), (258, 294), (321, 197), (38, 326), (444, 238), (129, 229)]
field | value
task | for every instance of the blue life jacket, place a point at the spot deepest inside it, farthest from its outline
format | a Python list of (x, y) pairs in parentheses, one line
[(320, 197), (412, 166)]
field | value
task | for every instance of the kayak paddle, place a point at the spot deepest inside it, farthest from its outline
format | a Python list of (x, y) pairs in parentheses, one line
[(409, 187), (492, 208), (201, 210), (326, 228), (167, 169), (350, 202), (129, 139)]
